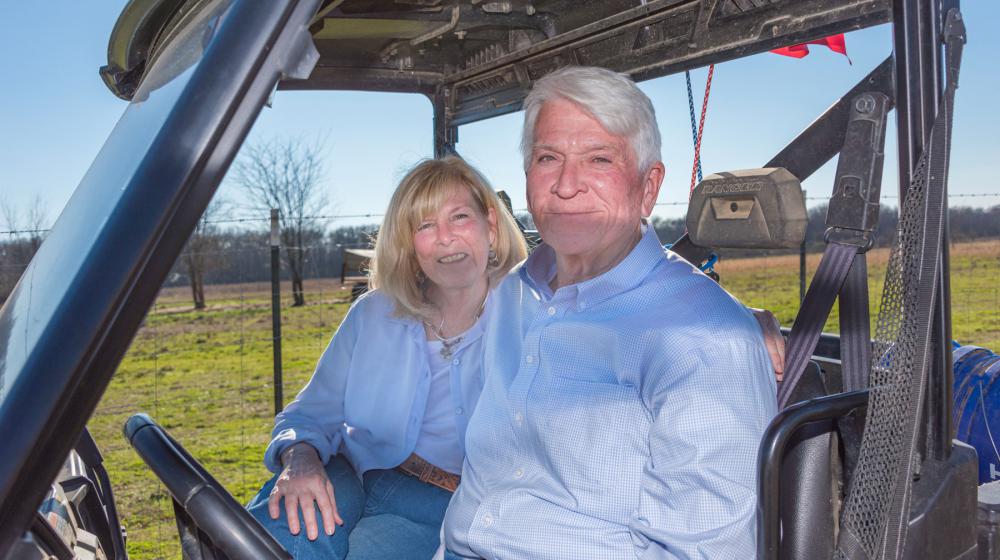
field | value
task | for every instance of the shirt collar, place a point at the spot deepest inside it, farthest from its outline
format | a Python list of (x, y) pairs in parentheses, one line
[(540, 268)]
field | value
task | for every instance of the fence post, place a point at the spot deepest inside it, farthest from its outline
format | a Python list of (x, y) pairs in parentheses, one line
[(276, 309)]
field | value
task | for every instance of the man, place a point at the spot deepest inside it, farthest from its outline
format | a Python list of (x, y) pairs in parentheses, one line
[(626, 392)]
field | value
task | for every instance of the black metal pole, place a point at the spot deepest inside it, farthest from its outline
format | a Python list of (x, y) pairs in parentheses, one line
[(771, 453), (445, 135), (279, 399), (941, 396), (917, 50)]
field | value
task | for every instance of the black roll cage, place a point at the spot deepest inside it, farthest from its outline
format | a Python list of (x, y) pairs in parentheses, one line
[(644, 40)]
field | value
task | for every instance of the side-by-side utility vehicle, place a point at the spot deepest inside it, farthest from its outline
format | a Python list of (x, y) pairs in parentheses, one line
[(860, 463)]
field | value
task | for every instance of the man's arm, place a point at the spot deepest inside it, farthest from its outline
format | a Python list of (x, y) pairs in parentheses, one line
[(710, 407)]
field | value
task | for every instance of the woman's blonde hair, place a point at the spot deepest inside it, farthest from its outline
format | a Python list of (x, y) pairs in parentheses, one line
[(423, 191)]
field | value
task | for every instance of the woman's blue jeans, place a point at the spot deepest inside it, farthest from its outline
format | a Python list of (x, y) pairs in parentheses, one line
[(388, 515)]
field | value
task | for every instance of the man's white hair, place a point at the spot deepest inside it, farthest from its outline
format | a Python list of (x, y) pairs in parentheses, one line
[(611, 98)]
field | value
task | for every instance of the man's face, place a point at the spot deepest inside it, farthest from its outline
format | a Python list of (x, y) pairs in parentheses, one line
[(585, 191)]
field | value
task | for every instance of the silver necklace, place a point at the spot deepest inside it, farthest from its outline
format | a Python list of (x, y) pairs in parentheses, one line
[(448, 345)]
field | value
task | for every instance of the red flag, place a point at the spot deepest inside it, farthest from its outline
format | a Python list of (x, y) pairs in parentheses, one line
[(834, 42)]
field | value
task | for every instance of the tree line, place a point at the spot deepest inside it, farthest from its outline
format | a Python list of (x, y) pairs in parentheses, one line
[(217, 255), (965, 224), (287, 175), (283, 175)]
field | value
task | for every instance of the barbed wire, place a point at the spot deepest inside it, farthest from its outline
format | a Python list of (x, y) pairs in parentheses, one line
[(316, 217), (516, 210), (896, 196), (20, 231)]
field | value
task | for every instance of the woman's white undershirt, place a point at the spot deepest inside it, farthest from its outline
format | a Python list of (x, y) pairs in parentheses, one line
[(438, 440)]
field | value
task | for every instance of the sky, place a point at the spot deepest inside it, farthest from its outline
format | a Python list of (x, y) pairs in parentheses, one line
[(55, 114)]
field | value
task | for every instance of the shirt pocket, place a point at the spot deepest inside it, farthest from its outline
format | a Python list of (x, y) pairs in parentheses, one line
[(593, 432)]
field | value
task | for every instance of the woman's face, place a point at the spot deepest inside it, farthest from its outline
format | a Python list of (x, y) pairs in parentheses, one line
[(453, 244)]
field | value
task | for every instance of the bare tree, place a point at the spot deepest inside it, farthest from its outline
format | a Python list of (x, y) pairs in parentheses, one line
[(204, 241), (32, 223), (286, 174), (28, 229)]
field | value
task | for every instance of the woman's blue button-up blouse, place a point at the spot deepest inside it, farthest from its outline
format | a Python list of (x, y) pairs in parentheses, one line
[(368, 394)]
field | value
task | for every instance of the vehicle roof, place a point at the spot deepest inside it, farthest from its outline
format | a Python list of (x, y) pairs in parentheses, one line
[(480, 57)]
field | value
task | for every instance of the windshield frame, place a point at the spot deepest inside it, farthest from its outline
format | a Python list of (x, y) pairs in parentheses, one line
[(61, 370)]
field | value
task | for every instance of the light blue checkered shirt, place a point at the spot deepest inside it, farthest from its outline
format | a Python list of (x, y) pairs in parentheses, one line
[(620, 418)]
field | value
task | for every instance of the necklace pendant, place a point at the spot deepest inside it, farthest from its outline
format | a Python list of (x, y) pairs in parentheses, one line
[(447, 347)]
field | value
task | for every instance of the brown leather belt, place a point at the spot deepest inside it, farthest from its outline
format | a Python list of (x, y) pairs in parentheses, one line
[(418, 468)]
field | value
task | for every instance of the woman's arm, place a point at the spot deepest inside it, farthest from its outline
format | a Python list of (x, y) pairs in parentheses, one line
[(317, 413), (303, 481), (307, 434)]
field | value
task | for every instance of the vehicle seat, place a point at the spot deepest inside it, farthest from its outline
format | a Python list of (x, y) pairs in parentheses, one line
[(809, 473)]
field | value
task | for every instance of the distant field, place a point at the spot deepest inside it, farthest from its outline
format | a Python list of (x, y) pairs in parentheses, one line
[(772, 283), (206, 376)]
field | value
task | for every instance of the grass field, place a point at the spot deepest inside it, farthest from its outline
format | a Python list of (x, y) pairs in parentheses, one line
[(772, 283), (206, 376)]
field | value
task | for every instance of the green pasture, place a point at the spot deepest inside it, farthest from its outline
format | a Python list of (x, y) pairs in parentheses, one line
[(206, 375), (773, 283)]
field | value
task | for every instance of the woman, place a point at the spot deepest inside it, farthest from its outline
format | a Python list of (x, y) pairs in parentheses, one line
[(371, 449)]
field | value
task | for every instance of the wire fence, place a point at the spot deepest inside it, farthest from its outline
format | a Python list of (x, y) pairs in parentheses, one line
[(11, 233), (206, 374)]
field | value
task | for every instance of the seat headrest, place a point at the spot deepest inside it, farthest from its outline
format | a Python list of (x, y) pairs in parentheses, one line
[(748, 209)]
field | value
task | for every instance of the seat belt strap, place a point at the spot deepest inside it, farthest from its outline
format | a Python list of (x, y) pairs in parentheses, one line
[(855, 353), (855, 328), (851, 220), (833, 269)]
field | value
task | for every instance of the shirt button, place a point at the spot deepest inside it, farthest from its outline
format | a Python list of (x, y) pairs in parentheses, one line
[(487, 520), (518, 418), (529, 359), (518, 473), (459, 411), (552, 311), (455, 361)]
